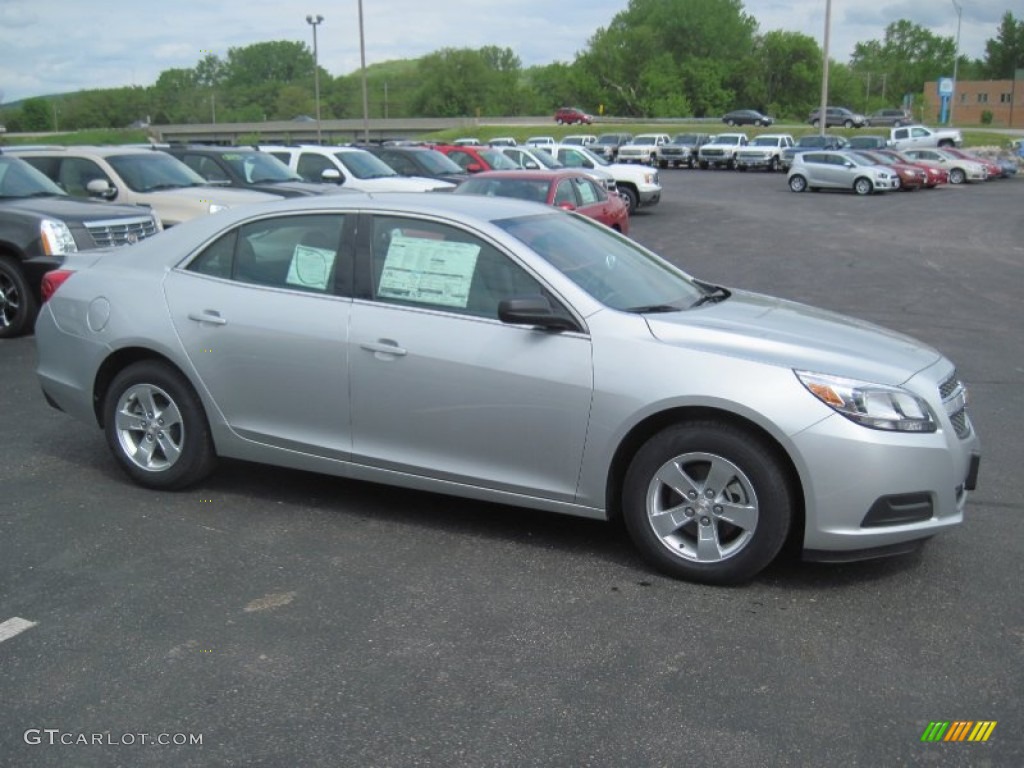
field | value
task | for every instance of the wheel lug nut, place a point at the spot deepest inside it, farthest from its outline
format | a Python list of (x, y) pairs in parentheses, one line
[(692, 494), (705, 521), (688, 512), (710, 494), (718, 509)]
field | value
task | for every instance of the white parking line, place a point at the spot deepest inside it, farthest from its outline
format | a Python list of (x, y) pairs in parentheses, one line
[(15, 626)]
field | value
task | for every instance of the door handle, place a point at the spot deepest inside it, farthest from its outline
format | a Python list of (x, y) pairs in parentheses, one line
[(207, 316), (383, 347)]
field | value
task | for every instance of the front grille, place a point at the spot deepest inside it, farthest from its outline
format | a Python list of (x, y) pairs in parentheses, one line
[(712, 152), (954, 398), (114, 232)]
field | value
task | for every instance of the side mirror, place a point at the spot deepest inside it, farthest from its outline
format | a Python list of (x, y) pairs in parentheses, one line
[(536, 311), (531, 165), (332, 176), (101, 188), (566, 206), (474, 167)]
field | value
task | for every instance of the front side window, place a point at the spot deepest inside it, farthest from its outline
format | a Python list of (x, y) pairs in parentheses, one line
[(437, 266), (293, 252), (311, 167), (76, 173)]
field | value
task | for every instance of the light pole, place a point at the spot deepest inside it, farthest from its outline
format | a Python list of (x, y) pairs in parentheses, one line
[(822, 114), (313, 21), (362, 61), (956, 60)]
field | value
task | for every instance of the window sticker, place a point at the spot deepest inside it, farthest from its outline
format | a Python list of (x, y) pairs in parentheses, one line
[(310, 267), (430, 271)]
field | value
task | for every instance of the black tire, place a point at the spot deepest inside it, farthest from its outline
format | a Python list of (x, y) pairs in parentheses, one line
[(730, 122), (957, 176), (150, 404), (773, 166), (703, 165), (18, 308), (863, 186), (632, 198), (797, 183), (707, 534), (815, 122), (848, 124), (946, 143), (663, 163)]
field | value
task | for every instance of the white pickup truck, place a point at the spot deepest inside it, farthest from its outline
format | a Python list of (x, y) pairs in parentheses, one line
[(922, 137)]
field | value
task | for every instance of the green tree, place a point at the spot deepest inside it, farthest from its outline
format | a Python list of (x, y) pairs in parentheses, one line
[(904, 61), (36, 115), (1004, 54), (786, 76)]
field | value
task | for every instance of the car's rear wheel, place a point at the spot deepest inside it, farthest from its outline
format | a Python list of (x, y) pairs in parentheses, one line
[(730, 121), (774, 164), (797, 183), (815, 122), (156, 427), (863, 186), (707, 501), (957, 176), (17, 304)]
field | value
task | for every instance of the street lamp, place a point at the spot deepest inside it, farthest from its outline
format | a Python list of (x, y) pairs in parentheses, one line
[(823, 113), (956, 60), (313, 21), (362, 61)]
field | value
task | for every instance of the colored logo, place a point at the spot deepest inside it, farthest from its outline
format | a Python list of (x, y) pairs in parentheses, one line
[(958, 730)]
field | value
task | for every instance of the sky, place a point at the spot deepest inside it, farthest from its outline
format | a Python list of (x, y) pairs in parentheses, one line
[(59, 46)]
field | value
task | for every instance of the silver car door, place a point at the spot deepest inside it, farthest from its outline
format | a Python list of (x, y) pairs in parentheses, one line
[(259, 316), (442, 388)]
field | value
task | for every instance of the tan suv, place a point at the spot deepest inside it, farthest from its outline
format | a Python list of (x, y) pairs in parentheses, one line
[(138, 176)]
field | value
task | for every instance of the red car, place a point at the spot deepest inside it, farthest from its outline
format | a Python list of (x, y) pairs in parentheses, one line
[(936, 174), (911, 176), (565, 188), (477, 159), (572, 115)]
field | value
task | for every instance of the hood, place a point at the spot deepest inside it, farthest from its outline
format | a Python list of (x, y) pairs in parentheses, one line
[(293, 188), (399, 184), (67, 208), (793, 335), (212, 194)]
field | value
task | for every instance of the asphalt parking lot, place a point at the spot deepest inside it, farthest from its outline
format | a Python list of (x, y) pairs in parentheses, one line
[(289, 619)]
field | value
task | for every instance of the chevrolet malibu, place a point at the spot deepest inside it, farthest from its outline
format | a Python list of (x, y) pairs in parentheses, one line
[(505, 351)]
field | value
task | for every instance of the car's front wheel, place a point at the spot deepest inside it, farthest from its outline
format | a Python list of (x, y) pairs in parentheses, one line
[(957, 176), (156, 427), (848, 124), (797, 183), (17, 304), (730, 121), (815, 122), (632, 198), (863, 186), (707, 501)]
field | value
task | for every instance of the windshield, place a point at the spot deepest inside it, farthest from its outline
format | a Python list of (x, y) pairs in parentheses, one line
[(545, 159), (522, 188), (19, 179), (764, 141), (153, 171), (685, 138), (609, 138), (363, 165), (497, 160), (613, 269), (857, 159), (437, 162), (256, 167), (580, 157)]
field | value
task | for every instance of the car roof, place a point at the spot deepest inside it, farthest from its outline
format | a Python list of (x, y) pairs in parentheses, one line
[(90, 150), (544, 173)]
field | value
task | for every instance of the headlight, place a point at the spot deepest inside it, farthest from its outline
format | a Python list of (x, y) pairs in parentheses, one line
[(871, 405), (214, 207), (56, 237)]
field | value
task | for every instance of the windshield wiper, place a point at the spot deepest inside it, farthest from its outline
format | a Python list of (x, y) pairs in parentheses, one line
[(715, 294), (653, 308)]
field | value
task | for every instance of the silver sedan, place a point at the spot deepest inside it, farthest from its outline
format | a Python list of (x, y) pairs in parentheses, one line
[(504, 351)]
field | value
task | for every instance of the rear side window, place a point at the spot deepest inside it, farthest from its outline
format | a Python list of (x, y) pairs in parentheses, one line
[(293, 252)]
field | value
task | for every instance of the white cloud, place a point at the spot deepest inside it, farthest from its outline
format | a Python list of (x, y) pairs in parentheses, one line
[(72, 45)]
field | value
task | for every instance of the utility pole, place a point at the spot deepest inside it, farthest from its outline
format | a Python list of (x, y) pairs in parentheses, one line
[(956, 60), (822, 115), (362, 62)]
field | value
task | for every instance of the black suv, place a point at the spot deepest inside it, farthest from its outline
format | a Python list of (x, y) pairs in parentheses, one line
[(607, 145), (39, 224), (420, 161), (246, 168)]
